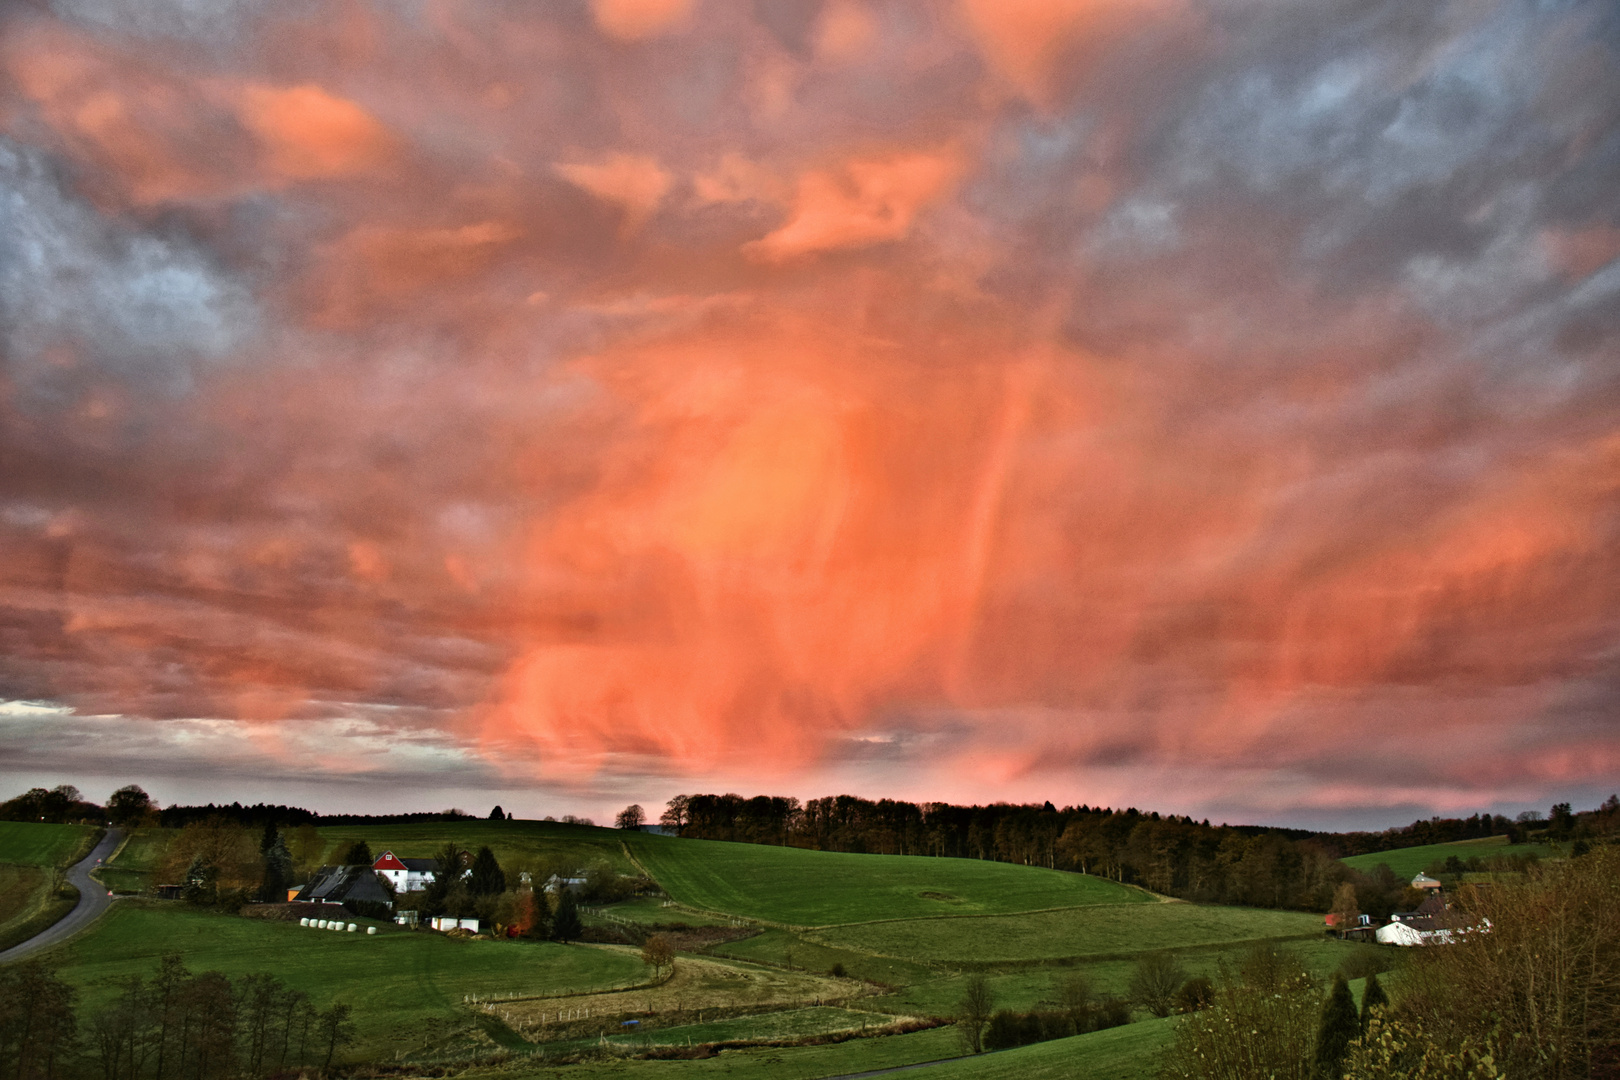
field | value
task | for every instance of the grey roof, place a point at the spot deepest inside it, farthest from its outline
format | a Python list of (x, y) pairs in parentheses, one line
[(335, 884), (421, 865)]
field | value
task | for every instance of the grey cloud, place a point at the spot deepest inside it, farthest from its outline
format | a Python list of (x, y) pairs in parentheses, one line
[(198, 20), (139, 304)]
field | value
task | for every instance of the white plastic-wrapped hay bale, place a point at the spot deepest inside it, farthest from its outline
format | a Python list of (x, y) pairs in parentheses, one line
[(304, 921), (320, 924), (371, 930), (351, 928)]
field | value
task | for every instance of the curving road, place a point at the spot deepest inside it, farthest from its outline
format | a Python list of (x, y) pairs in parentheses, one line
[(93, 901)]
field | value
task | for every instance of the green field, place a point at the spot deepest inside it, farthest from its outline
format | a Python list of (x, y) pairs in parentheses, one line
[(130, 868), (1079, 932), (28, 843), (794, 887), (772, 1063), (1124, 1053), (397, 981), (650, 911), (1409, 862), (786, 1025), (29, 853)]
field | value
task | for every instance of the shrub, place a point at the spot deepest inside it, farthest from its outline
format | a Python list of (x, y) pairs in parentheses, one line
[(1154, 984), (1263, 1024), (1112, 1012), (1195, 994), (1008, 1028), (1396, 1049)]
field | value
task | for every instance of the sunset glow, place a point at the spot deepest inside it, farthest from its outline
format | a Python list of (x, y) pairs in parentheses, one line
[(1204, 406)]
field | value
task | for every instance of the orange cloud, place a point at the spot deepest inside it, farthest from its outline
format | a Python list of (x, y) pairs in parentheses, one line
[(634, 182), (845, 30), (632, 20), (1025, 40), (379, 264), (311, 133), (862, 203), (736, 179)]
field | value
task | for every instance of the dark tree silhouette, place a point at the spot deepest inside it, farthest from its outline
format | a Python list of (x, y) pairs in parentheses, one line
[(488, 879), (565, 925)]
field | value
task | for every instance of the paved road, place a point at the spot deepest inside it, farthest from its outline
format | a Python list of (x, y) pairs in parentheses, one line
[(93, 901)]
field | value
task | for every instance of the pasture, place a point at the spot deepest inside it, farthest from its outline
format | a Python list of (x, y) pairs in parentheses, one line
[(30, 852), (1099, 932), (27, 843), (765, 1063), (796, 887), (1408, 862), (1123, 1053), (130, 868), (396, 981)]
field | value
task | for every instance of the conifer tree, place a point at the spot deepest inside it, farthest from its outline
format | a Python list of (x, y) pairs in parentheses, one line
[(565, 925), (487, 877), (1372, 997), (1340, 1026)]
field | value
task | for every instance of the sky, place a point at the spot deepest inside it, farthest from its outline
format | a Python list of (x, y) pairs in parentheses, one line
[(1211, 406)]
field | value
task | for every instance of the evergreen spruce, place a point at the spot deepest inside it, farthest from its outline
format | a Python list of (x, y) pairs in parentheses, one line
[(565, 925), (278, 870), (487, 877), (359, 854), (1340, 1027), (1372, 996)]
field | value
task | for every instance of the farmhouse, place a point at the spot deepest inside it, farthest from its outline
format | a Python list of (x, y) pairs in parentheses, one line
[(557, 881), (406, 875), (344, 884)]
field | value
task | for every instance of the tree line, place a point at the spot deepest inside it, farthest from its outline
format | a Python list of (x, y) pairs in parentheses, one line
[(171, 1025)]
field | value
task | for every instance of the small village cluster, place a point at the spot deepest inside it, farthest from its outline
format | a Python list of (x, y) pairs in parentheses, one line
[(1433, 922), (363, 884)]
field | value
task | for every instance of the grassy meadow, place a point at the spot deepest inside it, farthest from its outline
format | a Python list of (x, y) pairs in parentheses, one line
[(794, 887), (26, 843), (1101, 932), (395, 980), (1409, 862), (131, 866), (30, 853)]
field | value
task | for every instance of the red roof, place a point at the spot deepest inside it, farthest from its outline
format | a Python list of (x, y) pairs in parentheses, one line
[(388, 862)]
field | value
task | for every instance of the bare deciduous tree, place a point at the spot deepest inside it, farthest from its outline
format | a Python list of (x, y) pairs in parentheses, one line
[(977, 1005), (657, 953)]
